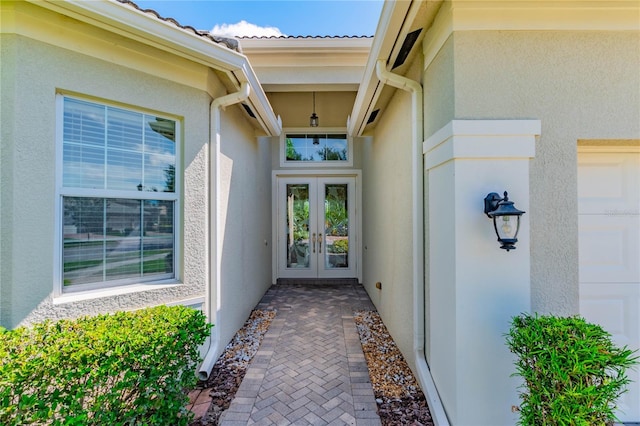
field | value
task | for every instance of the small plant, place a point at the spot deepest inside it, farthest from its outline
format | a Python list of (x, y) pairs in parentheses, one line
[(573, 373), (124, 368), (340, 246)]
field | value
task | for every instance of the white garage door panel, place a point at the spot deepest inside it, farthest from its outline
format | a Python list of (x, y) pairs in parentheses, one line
[(609, 253), (609, 247), (608, 183), (614, 306), (617, 310)]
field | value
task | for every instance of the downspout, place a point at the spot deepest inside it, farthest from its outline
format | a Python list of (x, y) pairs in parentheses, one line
[(424, 375), (213, 288)]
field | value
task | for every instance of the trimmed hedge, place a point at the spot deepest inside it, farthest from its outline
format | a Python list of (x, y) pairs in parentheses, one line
[(573, 373), (126, 368)]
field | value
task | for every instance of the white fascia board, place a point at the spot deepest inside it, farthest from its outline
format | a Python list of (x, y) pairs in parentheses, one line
[(305, 45), (134, 24), (271, 124), (391, 20)]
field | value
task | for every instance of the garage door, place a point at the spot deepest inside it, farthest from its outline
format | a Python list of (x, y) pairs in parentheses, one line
[(609, 243)]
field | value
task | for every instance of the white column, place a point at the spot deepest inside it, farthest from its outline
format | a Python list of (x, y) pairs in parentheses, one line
[(476, 287)]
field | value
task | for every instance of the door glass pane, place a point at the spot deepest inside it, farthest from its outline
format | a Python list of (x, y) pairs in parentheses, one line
[(297, 209), (336, 226)]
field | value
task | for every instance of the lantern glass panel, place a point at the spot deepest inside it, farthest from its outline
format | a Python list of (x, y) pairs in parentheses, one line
[(507, 226)]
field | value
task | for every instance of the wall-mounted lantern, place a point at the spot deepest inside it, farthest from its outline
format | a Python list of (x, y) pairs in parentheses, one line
[(506, 219)]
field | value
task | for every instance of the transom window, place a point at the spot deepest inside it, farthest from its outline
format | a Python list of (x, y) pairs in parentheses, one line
[(316, 147), (118, 195)]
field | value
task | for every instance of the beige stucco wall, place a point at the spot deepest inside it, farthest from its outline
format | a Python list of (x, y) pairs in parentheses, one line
[(438, 90), (581, 85), (387, 220), (245, 221), (36, 72)]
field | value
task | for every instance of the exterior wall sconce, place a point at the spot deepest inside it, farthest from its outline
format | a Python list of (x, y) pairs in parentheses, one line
[(506, 219), (313, 120)]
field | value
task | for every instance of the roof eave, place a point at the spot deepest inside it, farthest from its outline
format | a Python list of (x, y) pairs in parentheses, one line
[(137, 25), (392, 18)]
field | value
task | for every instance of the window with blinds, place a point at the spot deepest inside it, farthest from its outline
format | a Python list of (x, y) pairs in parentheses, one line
[(118, 195)]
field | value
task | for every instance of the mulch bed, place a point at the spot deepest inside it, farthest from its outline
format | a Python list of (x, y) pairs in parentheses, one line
[(398, 395)]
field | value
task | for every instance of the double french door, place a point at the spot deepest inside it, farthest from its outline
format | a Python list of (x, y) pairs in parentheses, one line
[(316, 227)]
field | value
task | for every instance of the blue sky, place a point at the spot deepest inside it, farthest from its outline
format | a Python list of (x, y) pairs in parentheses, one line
[(290, 17)]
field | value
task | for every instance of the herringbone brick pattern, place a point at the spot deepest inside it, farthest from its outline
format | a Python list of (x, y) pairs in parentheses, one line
[(310, 369)]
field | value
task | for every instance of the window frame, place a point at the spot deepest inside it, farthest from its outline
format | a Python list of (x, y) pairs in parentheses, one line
[(60, 192), (315, 164)]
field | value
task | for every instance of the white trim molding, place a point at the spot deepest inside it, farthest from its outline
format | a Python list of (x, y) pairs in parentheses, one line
[(481, 139), (306, 173)]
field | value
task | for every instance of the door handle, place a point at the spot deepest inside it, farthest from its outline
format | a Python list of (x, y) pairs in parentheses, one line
[(319, 243), (313, 242)]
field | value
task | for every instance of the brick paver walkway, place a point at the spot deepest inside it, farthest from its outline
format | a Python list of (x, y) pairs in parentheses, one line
[(310, 368)]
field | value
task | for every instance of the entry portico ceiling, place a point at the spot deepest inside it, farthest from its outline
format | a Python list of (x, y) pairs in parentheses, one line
[(308, 64), (129, 21), (296, 70)]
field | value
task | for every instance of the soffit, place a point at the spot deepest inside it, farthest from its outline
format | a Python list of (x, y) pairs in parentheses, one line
[(302, 64), (399, 20), (439, 19)]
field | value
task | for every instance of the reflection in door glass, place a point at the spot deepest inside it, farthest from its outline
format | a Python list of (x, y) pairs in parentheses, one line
[(316, 147), (297, 225), (336, 224)]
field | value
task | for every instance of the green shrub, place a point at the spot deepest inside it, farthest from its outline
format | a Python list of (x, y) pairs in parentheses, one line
[(573, 373), (124, 368)]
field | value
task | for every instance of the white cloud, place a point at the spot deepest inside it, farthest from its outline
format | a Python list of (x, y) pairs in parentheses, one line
[(245, 29)]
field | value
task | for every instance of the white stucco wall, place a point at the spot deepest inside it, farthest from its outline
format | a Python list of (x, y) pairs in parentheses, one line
[(36, 72), (387, 223), (476, 288), (581, 85)]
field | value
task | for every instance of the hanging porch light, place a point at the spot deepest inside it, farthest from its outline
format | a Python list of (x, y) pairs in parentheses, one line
[(313, 120)]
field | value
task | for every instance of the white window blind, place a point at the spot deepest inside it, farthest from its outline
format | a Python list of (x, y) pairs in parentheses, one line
[(125, 232)]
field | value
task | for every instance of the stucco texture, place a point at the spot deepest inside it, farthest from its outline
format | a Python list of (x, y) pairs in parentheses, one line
[(34, 72), (581, 85), (245, 221), (438, 91), (387, 220)]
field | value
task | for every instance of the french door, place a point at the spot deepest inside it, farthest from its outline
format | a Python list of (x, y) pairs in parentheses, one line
[(316, 227)]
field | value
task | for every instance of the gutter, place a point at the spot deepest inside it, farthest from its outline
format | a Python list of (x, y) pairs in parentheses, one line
[(215, 250), (424, 375)]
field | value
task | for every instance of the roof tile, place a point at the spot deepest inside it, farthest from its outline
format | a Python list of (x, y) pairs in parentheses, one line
[(230, 43)]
